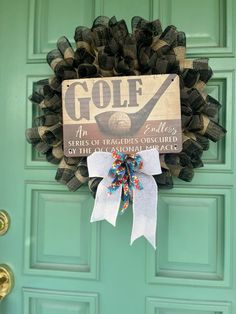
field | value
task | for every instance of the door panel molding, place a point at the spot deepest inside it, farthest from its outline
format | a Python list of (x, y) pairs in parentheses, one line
[(73, 251), (193, 218)]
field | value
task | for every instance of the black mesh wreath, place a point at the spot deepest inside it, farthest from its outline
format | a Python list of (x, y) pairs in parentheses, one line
[(108, 49)]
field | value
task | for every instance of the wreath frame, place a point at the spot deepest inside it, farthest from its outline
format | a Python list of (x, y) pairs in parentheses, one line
[(108, 49)]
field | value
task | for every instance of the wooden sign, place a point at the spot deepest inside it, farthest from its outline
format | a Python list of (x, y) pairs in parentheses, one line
[(128, 113)]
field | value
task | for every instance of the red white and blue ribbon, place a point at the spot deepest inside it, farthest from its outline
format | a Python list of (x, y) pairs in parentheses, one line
[(127, 178)]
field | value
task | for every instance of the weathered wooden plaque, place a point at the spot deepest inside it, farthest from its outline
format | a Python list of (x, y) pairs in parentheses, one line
[(128, 113)]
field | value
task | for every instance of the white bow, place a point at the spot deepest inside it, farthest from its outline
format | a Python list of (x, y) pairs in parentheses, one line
[(144, 201)]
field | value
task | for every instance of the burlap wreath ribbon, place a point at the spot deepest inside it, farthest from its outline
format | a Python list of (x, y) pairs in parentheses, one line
[(108, 49)]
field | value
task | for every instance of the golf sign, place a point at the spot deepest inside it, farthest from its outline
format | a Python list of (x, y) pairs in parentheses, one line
[(128, 113)]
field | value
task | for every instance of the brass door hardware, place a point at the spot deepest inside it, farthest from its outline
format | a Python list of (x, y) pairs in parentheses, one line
[(4, 222), (6, 280)]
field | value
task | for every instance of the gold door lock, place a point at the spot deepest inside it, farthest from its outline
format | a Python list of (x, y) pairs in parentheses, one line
[(4, 222), (6, 281)]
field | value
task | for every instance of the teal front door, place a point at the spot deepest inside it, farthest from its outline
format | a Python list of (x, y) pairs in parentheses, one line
[(62, 264)]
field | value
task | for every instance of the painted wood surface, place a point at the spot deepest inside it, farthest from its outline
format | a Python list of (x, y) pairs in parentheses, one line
[(64, 264)]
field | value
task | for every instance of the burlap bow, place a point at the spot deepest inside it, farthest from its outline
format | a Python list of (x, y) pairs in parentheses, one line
[(145, 199)]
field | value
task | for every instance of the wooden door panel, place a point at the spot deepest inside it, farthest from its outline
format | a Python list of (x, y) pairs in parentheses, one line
[(208, 24), (217, 88), (63, 241), (33, 159), (194, 247), (54, 302), (51, 19), (168, 306)]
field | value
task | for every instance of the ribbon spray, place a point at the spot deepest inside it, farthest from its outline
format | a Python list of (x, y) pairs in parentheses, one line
[(125, 178)]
